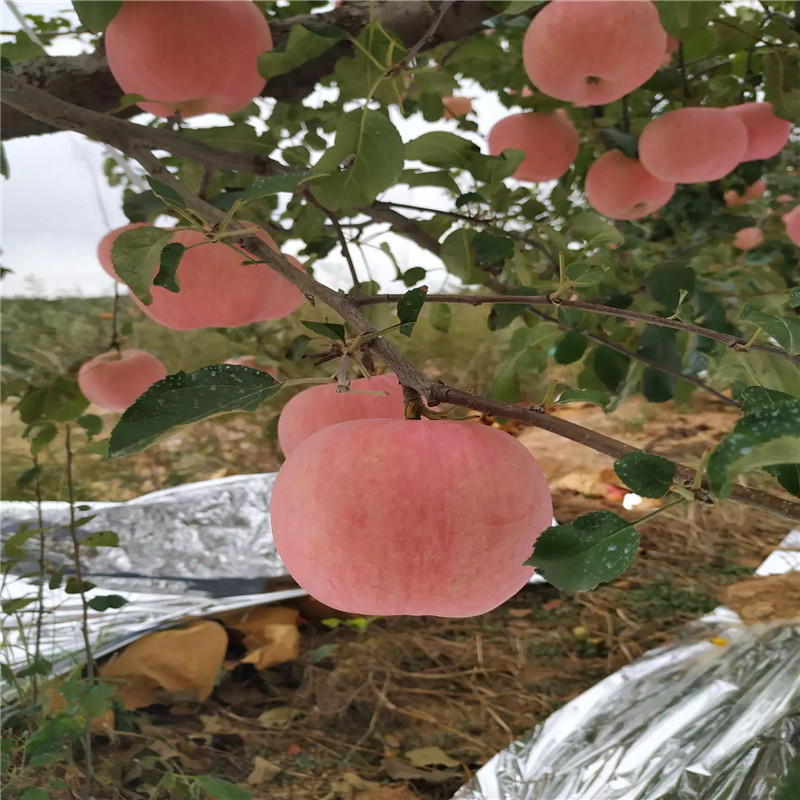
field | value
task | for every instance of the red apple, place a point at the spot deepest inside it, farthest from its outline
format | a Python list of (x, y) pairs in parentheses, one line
[(748, 238), (455, 107), (766, 134), (621, 188), (550, 143), (592, 53), (192, 57), (321, 406), (383, 516), (113, 380), (218, 291), (792, 222), (693, 145)]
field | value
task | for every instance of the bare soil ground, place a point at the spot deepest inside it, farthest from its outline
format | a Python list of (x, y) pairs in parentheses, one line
[(347, 718)]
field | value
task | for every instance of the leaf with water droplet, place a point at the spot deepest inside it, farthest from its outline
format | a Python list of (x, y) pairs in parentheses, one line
[(188, 397)]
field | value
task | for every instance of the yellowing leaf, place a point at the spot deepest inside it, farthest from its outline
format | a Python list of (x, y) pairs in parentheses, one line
[(430, 756)]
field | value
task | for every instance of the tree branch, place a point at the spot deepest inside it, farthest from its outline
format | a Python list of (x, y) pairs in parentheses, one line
[(337, 226), (728, 339), (348, 308), (636, 357), (86, 80)]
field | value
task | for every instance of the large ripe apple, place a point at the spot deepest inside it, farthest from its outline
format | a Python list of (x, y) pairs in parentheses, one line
[(382, 517), (192, 57), (113, 380), (320, 406), (693, 145), (549, 141), (792, 222), (592, 53), (217, 290)]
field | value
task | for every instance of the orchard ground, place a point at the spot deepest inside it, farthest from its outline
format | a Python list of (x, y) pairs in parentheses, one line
[(360, 700)]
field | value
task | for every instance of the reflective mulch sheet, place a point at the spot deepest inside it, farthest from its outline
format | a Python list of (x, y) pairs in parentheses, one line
[(713, 716)]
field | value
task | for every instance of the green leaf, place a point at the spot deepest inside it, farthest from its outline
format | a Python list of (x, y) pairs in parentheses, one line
[(413, 275), (239, 138), (167, 275), (285, 182), (136, 255), (23, 48), (408, 308), (330, 330), (592, 549), (305, 43), (105, 601), (658, 344), (583, 396), (794, 297), (570, 317), (61, 401), (441, 149), (44, 435), (6, 66), (459, 257), (570, 347), (371, 154), (75, 586), (503, 314), (38, 666), (610, 367), (5, 169), (142, 206), (100, 539), (627, 143), (95, 16), (492, 250), (28, 476), (768, 436), (666, 282), (188, 397), (219, 789), (91, 423), (646, 474), (787, 475), (785, 330), (440, 317), (684, 18), (41, 794), (782, 83), (327, 30), (166, 193), (16, 604), (754, 397), (585, 274)]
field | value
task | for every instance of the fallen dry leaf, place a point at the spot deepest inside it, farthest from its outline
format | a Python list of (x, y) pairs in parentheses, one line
[(429, 757), (277, 718), (388, 793), (520, 612), (403, 771), (352, 785), (212, 724), (270, 634), (184, 661), (552, 605), (263, 771)]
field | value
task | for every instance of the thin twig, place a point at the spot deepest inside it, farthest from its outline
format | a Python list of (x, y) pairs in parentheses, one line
[(701, 384), (40, 607), (414, 50), (76, 549), (337, 226), (116, 339), (734, 342)]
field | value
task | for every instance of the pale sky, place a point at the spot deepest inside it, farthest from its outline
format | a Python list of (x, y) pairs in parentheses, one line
[(51, 205)]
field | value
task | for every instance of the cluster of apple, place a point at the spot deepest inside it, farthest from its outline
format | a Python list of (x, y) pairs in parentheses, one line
[(590, 53), (217, 290), (376, 514)]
